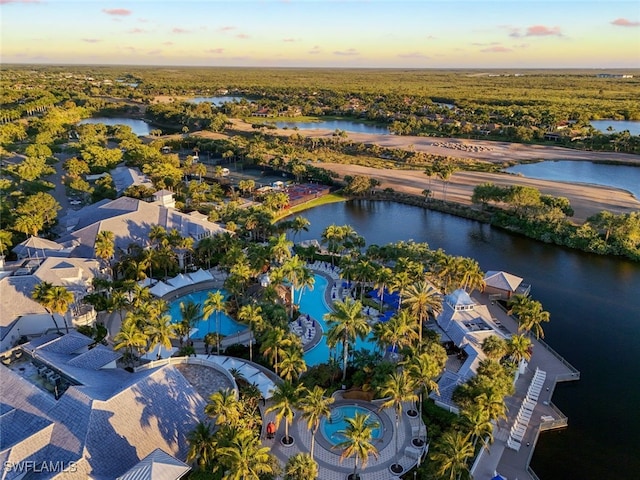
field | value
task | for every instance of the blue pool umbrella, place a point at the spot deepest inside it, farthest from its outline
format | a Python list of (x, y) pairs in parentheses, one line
[(499, 477)]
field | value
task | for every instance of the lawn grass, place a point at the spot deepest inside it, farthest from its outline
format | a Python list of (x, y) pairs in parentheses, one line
[(325, 199)]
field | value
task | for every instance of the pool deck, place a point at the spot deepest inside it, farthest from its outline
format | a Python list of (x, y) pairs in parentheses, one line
[(328, 459)]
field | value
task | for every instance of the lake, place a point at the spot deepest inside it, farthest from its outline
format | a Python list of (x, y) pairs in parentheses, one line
[(139, 127), (217, 101), (618, 126), (619, 176), (594, 304), (346, 125)]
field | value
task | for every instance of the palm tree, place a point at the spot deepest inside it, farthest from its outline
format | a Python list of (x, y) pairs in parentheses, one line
[(55, 299), (314, 405), (160, 331), (40, 295), (382, 278), (299, 224), (284, 397), (280, 248), (130, 337), (358, 435), (423, 369), (104, 246), (274, 341), (251, 315), (422, 298), (298, 275), (519, 348), (201, 445), (301, 466), (453, 453), (214, 303), (493, 404), (245, 458), (398, 388), (292, 363), (529, 313), (224, 407), (346, 322), (189, 313), (479, 423), (398, 332), (494, 347)]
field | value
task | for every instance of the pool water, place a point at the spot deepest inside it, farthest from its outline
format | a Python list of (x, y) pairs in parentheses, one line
[(313, 303), (331, 427), (228, 326)]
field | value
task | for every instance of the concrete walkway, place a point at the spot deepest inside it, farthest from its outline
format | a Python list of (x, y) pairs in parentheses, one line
[(546, 416)]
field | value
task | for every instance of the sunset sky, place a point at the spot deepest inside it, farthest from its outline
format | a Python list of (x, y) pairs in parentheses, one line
[(324, 33)]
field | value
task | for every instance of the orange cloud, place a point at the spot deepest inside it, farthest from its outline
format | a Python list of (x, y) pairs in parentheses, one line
[(289, 40), (542, 31), (216, 51), (137, 30), (227, 28), (623, 22), (180, 30), (91, 40), (242, 36), (496, 49), (412, 55), (347, 53), (117, 11)]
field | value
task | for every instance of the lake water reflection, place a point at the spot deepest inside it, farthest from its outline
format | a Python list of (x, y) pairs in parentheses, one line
[(595, 323), (619, 176), (346, 125), (139, 127), (617, 125)]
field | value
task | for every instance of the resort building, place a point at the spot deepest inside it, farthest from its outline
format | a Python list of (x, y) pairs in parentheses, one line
[(463, 325), (131, 220), (21, 316), (502, 285), (69, 404)]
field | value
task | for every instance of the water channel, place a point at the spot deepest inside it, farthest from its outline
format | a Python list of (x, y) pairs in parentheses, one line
[(618, 176), (595, 324), (139, 127), (346, 125)]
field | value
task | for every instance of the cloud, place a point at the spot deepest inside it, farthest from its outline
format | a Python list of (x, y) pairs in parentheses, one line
[(215, 51), (242, 36), (167, 43), (226, 28), (623, 22), (123, 12), (289, 40), (315, 50), (154, 52), (137, 30), (542, 31), (496, 49), (2, 2), (412, 55), (180, 30), (347, 53), (91, 40)]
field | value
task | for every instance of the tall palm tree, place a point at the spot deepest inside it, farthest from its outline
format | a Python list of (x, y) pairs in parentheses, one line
[(189, 314), (346, 322), (422, 298), (104, 246), (423, 369), (382, 278), (398, 388), (301, 466), (280, 248), (299, 224), (273, 343), (292, 363), (130, 337), (39, 294), (214, 303), (452, 455), (519, 348), (358, 435), (160, 331), (479, 423), (245, 458), (494, 347), (284, 397), (224, 407), (398, 332), (55, 299), (493, 404), (201, 445), (295, 271), (314, 405), (252, 316)]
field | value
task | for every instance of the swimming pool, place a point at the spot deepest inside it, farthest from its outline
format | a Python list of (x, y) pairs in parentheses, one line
[(331, 426), (228, 326), (313, 303)]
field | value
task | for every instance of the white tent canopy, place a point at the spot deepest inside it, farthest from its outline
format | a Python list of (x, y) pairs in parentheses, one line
[(160, 289), (180, 281), (200, 276)]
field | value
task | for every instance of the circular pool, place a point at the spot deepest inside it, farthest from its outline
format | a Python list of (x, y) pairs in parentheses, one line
[(330, 427)]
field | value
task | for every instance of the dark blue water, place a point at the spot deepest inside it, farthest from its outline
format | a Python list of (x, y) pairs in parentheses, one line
[(619, 176), (345, 125), (594, 304), (139, 127)]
